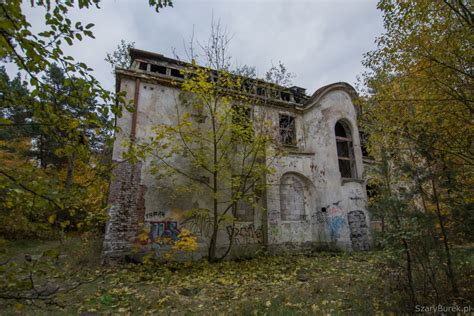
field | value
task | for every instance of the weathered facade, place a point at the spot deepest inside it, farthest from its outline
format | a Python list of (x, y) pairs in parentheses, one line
[(316, 199)]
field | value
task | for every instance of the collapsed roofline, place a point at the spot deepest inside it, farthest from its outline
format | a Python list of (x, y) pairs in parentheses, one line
[(308, 101)]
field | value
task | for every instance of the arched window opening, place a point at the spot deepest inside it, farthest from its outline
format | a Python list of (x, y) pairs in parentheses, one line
[(292, 198), (345, 151)]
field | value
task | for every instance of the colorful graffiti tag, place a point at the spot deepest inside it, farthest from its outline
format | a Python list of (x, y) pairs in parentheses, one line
[(164, 229), (336, 224)]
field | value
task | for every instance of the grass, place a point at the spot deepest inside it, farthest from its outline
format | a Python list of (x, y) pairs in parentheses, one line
[(334, 283)]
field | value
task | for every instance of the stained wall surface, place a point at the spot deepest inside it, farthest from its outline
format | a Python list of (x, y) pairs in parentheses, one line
[(308, 205)]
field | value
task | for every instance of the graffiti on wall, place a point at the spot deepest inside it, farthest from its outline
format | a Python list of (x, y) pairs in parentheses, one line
[(358, 228), (335, 220), (200, 224), (357, 196), (159, 214), (164, 229), (336, 224), (247, 234)]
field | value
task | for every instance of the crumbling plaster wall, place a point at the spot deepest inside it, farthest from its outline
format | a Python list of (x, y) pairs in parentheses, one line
[(331, 198), (162, 212), (328, 199)]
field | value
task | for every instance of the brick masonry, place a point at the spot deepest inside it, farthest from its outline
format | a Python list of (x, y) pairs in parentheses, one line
[(125, 213)]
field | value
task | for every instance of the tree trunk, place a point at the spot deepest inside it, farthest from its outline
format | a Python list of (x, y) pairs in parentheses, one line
[(215, 227), (70, 171), (449, 264), (409, 272), (41, 153)]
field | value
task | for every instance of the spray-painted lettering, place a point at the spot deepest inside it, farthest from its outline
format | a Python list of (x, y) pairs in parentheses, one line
[(164, 229)]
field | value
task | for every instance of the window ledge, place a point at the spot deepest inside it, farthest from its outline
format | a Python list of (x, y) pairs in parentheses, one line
[(348, 180)]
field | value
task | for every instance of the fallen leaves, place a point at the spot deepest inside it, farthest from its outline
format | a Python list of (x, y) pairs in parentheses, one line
[(264, 285)]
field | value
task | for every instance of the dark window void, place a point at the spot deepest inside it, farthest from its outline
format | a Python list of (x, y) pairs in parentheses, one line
[(176, 73), (248, 87), (158, 69), (260, 91), (274, 94), (345, 151), (287, 130), (285, 96), (143, 66), (340, 130)]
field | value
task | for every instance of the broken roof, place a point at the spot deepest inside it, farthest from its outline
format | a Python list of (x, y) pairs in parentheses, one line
[(303, 100)]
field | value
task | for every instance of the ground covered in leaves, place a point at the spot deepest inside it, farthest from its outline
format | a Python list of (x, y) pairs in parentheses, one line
[(318, 284)]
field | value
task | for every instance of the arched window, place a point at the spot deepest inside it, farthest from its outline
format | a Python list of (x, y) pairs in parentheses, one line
[(291, 198), (345, 150)]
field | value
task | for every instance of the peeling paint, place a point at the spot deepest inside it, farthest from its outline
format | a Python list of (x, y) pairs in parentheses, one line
[(312, 206)]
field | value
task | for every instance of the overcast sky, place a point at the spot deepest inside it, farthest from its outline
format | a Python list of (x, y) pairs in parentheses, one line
[(320, 41)]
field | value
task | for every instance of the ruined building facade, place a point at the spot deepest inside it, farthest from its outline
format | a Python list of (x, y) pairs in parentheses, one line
[(316, 198)]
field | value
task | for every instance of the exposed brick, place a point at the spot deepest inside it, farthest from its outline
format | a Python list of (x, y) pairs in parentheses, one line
[(124, 217)]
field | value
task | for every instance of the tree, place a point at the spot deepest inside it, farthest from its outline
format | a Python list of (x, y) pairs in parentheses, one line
[(34, 54), (220, 143), (120, 56), (225, 158), (63, 107), (418, 116), (39, 162), (279, 75)]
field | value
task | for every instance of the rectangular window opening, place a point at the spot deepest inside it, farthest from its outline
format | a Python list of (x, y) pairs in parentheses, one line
[(285, 96), (176, 73), (143, 66), (345, 168), (248, 87), (287, 130), (158, 69)]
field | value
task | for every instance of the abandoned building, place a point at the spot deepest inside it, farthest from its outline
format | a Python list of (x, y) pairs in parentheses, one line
[(317, 198)]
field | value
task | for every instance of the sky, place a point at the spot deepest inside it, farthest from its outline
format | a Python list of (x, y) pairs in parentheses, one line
[(321, 42)]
